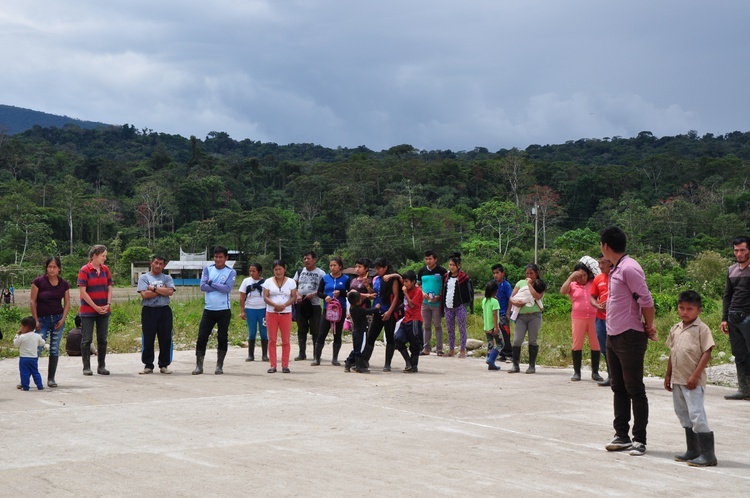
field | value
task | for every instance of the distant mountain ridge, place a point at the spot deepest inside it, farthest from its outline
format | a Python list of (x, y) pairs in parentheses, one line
[(17, 120)]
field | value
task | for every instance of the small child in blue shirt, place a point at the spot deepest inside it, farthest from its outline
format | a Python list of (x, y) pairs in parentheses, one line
[(28, 342)]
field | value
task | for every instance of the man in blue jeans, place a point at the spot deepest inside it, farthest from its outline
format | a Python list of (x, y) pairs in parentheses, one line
[(735, 316), (630, 323), (598, 299)]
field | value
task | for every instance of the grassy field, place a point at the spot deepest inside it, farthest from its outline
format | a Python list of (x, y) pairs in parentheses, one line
[(554, 340)]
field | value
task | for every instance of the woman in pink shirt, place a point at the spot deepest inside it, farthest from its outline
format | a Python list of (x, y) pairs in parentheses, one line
[(583, 319)]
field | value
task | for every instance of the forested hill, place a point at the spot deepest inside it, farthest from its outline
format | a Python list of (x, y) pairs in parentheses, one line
[(16, 120), (65, 188)]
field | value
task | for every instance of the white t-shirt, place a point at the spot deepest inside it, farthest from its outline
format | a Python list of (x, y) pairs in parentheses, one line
[(28, 343), (254, 300), (281, 294)]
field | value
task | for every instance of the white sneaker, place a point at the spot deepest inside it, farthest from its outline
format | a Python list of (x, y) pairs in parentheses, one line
[(146, 371), (165, 370), (637, 449)]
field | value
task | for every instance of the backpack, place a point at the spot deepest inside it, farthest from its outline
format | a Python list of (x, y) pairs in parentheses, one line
[(333, 311)]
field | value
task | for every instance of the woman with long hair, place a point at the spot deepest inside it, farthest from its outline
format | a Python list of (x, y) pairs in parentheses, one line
[(279, 293), (387, 285), (253, 310), (458, 299), (333, 286), (583, 319), (529, 317)]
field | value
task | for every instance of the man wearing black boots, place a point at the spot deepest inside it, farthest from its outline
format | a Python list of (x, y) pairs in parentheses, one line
[(735, 316), (217, 282), (599, 292), (308, 302)]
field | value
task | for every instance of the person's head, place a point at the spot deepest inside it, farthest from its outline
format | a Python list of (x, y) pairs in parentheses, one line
[(454, 263), (157, 264), (98, 254), (741, 250), (498, 272), (354, 298), (336, 265), (52, 266), (255, 270), (362, 266), (613, 242), (77, 321), (584, 273), (279, 268), (381, 266), (221, 254), (605, 265), (689, 306), (309, 259), (539, 285), (532, 271), (430, 259), (410, 279), (491, 289), (27, 324)]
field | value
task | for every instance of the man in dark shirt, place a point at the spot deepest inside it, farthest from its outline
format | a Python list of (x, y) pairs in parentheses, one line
[(735, 315)]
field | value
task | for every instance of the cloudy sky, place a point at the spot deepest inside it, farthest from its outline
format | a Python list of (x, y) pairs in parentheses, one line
[(436, 74)]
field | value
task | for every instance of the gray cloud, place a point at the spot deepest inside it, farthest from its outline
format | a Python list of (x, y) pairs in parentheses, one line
[(436, 74)]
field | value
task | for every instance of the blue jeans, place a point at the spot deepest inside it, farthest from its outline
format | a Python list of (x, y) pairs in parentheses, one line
[(256, 320), (601, 334), (48, 328)]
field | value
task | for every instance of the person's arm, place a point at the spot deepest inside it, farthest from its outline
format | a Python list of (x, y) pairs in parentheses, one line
[(725, 302), (565, 289), (267, 298), (227, 286), (205, 282), (32, 303), (536, 295), (595, 302), (648, 322), (668, 376), (695, 377), (66, 309), (243, 297), (322, 289)]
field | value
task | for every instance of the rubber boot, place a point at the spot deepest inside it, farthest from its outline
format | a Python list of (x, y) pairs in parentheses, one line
[(491, 360), (250, 351), (516, 360), (264, 349), (743, 391), (577, 360), (407, 359), (101, 356), (693, 449), (86, 358), (317, 351), (347, 365), (335, 358), (606, 382), (533, 352), (198, 364), (596, 357), (220, 355), (51, 371), (361, 368), (707, 457)]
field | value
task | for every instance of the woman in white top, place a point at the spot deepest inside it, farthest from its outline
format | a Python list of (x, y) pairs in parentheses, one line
[(279, 293), (253, 309)]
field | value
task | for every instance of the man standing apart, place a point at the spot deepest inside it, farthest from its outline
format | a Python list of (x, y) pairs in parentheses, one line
[(430, 278), (155, 289), (308, 302), (630, 324), (217, 282), (735, 315)]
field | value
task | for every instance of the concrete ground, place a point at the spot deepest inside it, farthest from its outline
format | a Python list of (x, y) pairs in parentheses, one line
[(454, 429)]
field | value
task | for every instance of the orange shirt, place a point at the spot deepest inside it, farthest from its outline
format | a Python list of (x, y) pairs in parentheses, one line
[(600, 289)]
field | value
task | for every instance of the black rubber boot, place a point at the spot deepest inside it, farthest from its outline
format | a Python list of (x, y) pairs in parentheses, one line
[(198, 364), (220, 355), (360, 363), (335, 359), (407, 359), (707, 457), (693, 449), (606, 382), (596, 357), (302, 343), (577, 360), (317, 351), (347, 366), (743, 391), (264, 349), (86, 358), (250, 351), (101, 356), (51, 371), (533, 352), (516, 360)]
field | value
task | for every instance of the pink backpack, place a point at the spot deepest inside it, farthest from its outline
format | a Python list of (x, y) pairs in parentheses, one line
[(333, 311)]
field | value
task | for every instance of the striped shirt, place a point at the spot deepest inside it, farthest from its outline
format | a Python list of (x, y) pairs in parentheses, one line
[(97, 286)]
